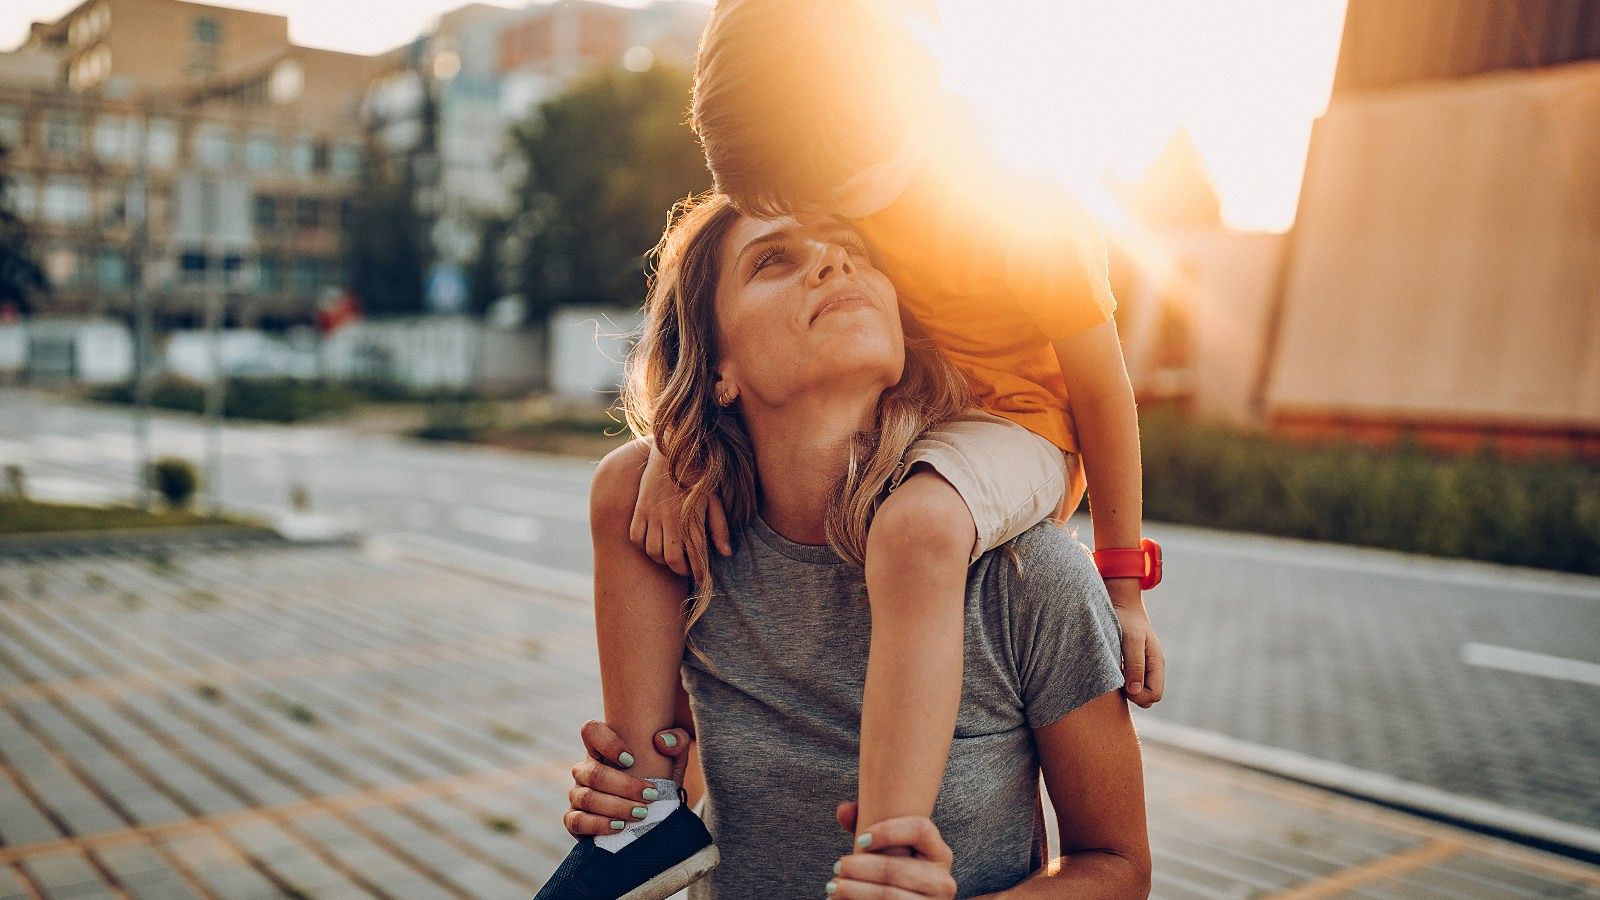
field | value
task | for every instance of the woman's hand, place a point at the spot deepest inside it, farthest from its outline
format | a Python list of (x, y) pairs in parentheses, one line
[(871, 873), (1144, 666), (603, 793), (656, 518)]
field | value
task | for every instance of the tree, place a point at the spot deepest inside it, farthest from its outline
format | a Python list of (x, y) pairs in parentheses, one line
[(386, 246), (485, 279), (604, 162), (20, 275)]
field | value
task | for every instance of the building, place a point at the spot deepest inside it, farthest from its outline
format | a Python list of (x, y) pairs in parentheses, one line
[(1442, 275), (183, 147), (446, 101)]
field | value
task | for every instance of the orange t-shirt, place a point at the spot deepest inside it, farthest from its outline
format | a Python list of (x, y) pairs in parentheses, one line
[(995, 268)]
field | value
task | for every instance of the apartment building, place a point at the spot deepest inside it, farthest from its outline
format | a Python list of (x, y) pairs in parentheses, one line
[(186, 147)]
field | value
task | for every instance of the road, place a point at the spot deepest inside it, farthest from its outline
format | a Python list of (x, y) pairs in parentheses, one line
[(1452, 687)]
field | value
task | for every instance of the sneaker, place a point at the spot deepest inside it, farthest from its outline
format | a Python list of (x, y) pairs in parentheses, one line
[(663, 861)]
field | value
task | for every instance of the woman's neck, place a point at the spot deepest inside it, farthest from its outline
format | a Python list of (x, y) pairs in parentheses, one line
[(801, 453)]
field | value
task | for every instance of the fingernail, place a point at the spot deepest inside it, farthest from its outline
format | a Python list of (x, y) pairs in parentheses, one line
[(640, 812), (864, 841), (670, 739), (1134, 687), (626, 759), (651, 793), (837, 865), (618, 824), (832, 887)]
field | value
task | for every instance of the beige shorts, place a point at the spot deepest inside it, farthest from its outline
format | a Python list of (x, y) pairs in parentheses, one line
[(1010, 478)]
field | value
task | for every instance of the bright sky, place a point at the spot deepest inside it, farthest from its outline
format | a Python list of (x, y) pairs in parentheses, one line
[(1069, 87)]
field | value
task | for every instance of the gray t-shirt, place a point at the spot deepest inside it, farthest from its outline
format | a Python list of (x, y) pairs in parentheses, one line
[(779, 717)]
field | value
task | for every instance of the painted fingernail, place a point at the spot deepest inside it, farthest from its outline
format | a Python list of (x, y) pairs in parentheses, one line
[(671, 740), (640, 812), (837, 865), (626, 759), (864, 841), (618, 824), (651, 793), (832, 887)]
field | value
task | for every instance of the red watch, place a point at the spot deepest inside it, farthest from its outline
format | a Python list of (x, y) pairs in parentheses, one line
[(1142, 562)]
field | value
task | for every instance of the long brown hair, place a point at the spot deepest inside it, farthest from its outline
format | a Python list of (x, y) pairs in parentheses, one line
[(668, 394)]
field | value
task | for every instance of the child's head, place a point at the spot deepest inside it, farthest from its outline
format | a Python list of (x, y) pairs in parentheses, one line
[(794, 98)]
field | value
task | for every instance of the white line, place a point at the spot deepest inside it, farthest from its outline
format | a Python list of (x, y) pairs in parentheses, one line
[(1372, 785), (545, 579), (1526, 662)]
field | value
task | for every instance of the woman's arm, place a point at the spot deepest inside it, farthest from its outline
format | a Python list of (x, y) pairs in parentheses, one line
[(1095, 777)]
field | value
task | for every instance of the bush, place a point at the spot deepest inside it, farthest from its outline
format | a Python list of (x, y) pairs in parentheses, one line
[(1540, 512), (175, 479), (272, 399)]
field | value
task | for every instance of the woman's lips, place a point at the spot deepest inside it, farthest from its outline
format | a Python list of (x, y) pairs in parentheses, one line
[(840, 301)]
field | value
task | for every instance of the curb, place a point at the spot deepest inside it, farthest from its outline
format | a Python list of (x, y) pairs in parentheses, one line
[(1542, 832), (132, 540)]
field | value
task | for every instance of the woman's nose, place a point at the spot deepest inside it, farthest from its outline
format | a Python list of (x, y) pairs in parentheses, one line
[(831, 261)]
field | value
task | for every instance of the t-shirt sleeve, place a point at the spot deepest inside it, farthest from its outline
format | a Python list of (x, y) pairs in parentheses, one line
[(1068, 643), (1056, 264)]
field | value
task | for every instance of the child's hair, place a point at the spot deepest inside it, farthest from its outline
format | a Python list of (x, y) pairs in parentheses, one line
[(792, 97)]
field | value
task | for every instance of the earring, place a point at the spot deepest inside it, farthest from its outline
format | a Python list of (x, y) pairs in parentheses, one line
[(722, 397)]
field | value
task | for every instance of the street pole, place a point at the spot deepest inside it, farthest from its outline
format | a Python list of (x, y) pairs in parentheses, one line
[(139, 216), (215, 283)]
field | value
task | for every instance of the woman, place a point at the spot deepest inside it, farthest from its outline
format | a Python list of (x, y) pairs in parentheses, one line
[(794, 391)]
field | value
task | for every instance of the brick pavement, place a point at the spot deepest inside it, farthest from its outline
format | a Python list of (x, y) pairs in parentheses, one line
[(333, 722)]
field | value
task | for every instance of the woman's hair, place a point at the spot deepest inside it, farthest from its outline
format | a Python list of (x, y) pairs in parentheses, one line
[(668, 394), (792, 97)]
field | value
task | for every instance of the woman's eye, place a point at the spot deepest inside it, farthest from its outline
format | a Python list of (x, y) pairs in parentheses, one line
[(767, 257)]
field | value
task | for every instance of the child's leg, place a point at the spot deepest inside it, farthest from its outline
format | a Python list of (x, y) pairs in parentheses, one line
[(638, 607), (918, 550), (922, 540)]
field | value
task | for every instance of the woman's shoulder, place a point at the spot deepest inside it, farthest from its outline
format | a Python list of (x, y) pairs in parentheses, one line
[(1050, 562)]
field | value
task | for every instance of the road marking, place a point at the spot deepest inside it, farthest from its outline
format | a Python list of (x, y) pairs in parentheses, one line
[(1342, 882), (480, 563), (1525, 662)]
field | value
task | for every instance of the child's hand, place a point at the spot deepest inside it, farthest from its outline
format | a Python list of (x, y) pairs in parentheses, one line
[(1144, 666), (656, 517)]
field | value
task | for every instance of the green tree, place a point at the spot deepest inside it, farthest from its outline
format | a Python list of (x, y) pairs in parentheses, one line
[(486, 271), (20, 276), (386, 246), (604, 162)]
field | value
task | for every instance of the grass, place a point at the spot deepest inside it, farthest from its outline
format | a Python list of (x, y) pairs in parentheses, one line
[(40, 517)]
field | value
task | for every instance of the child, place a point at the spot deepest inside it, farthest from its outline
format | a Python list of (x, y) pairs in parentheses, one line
[(831, 107)]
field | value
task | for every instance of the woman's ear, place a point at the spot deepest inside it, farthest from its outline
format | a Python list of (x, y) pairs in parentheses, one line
[(724, 391)]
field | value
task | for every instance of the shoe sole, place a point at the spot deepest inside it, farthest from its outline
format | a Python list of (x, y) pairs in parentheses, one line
[(678, 877)]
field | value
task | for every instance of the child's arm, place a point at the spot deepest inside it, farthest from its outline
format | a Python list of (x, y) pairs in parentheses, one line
[(1107, 425), (655, 528)]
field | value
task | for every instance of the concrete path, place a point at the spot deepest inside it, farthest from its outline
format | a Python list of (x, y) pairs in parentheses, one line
[(398, 721)]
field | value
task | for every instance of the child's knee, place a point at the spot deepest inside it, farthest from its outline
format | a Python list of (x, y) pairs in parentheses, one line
[(924, 521), (615, 489)]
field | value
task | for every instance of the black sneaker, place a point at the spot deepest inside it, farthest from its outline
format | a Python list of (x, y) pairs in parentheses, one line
[(669, 857)]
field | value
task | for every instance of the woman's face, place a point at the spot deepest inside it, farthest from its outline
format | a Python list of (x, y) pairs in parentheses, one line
[(800, 306)]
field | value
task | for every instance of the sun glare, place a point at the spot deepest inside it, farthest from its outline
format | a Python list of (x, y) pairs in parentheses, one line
[(1090, 91)]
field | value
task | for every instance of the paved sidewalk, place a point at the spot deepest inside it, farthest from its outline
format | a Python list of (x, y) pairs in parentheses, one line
[(335, 722)]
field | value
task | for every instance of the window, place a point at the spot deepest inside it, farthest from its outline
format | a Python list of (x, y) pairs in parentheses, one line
[(12, 128), (213, 146), (347, 213), (111, 269), (24, 197), (162, 143), (300, 156), (192, 265), (269, 274), (207, 30), (266, 211), (66, 200), (261, 153), (63, 134), (307, 212), (306, 276), (114, 204), (319, 157), (114, 139), (347, 161)]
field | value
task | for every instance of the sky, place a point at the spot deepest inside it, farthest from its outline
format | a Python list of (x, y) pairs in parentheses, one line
[(1071, 88)]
